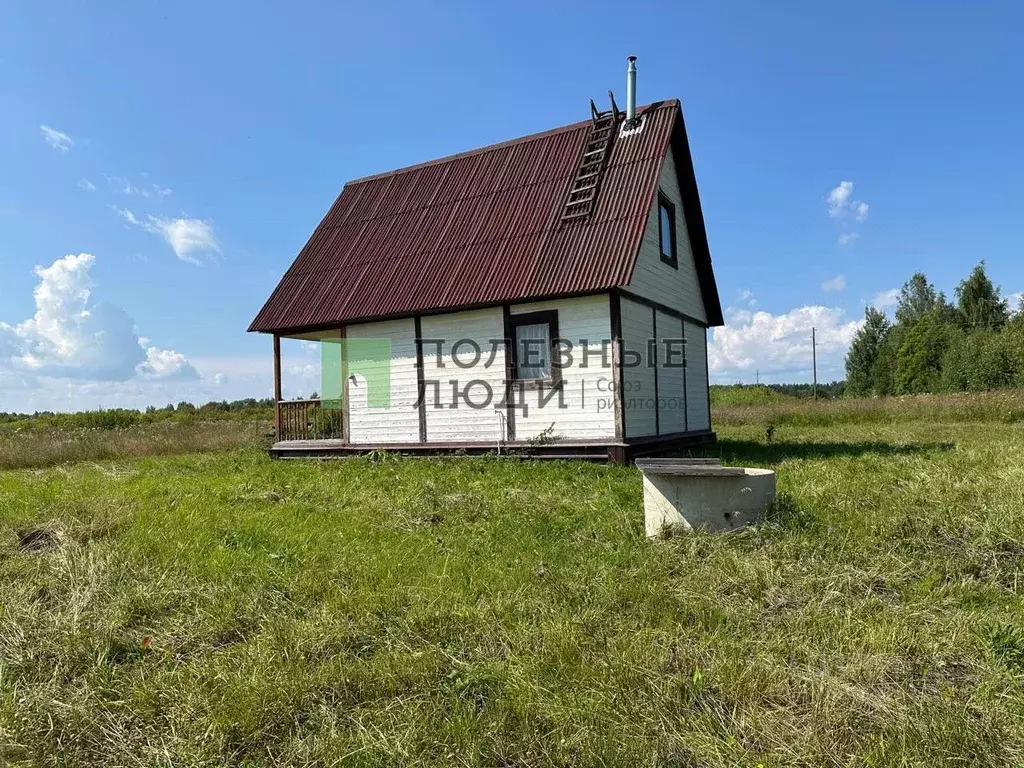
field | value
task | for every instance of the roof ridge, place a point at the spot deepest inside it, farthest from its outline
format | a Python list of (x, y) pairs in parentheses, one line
[(654, 105)]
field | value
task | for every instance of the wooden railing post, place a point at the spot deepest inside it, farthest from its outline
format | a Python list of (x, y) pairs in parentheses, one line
[(277, 387)]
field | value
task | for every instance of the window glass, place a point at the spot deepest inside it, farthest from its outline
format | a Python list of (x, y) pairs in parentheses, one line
[(667, 235), (533, 351)]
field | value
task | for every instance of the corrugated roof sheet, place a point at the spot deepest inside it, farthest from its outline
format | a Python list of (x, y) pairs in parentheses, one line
[(482, 228)]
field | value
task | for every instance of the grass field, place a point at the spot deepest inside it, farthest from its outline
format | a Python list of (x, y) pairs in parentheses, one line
[(222, 609)]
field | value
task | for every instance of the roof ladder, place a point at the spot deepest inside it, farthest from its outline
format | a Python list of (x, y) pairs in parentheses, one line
[(582, 197)]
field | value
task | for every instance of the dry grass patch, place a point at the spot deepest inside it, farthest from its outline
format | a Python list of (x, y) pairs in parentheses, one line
[(51, 447)]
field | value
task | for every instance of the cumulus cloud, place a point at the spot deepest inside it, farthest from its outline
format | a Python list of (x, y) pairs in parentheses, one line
[(780, 345), (839, 199), (188, 238), (59, 140), (883, 299), (70, 336), (87, 185), (836, 284), (166, 365), (846, 210)]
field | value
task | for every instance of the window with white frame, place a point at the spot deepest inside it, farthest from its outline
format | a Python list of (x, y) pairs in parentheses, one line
[(533, 347)]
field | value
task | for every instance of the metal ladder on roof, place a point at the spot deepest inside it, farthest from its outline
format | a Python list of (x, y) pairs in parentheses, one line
[(579, 204)]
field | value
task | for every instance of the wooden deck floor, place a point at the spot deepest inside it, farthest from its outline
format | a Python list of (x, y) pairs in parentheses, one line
[(588, 450)]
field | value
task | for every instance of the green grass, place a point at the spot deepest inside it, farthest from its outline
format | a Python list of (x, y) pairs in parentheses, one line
[(1001, 406), (222, 609), (41, 446), (749, 395)]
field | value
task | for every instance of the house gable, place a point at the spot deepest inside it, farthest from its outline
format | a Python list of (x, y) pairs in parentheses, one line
[(677, 287)]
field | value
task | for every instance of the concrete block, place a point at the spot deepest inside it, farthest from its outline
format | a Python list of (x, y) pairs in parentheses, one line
[(686, 496)]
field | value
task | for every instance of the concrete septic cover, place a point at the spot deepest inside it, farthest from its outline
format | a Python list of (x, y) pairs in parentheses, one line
[(701, 493)]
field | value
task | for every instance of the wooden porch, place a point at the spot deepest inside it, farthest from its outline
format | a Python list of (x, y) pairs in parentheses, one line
[(304, 429)]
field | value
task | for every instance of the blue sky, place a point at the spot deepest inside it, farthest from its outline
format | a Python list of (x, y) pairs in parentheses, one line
[(192, 148)]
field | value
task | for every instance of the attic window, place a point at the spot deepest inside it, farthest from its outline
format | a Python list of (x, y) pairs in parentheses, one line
[(667, 231), (533, 339)]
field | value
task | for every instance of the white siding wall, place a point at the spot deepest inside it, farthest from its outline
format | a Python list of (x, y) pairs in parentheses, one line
[(589, 413), (400, 422), (638, 381), (671, 396), (652, 278), (697, 407), (588, 391), (462, 423)]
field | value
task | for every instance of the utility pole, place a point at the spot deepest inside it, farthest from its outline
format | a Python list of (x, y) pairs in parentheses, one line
[(814, 359)]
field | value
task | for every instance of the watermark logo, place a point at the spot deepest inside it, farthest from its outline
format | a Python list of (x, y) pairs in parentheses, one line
[(477, 375), (363, 362)]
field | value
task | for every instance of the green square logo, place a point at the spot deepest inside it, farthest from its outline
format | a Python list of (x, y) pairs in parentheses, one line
[(342, 359)]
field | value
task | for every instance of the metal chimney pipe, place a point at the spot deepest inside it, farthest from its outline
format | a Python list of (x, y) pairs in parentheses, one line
[(631, 90)]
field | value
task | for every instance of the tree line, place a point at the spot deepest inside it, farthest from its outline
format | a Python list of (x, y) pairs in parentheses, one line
[(973, 343), (117, 418)]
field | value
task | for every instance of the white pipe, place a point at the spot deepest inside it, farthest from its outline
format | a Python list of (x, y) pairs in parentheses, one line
[(631, 90)]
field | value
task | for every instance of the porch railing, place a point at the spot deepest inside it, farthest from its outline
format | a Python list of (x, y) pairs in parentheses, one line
[(308, 420)]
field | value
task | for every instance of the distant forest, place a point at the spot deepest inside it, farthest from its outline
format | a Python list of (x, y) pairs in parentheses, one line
[(972, 344), (116, 418)]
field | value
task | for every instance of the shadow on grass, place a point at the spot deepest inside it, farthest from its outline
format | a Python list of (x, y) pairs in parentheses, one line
[(740, 451)]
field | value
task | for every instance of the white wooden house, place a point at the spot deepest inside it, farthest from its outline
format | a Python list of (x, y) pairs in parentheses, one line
[(568, 271)]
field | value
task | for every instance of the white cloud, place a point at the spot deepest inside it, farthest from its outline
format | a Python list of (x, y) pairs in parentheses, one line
[(843, 208), (147, 190), (1015, 301), (188, 238), (165, 365), (779, 346), (72, 337), (87, 185), (747, 297), (839, 199), (56, 139), (889, 298), (220, 378), (837, 284)]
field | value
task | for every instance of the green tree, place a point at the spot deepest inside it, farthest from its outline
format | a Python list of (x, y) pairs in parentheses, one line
[(956, 362), (919, 360), (864, 351), (918, 297), (884, 373), (979, 304)]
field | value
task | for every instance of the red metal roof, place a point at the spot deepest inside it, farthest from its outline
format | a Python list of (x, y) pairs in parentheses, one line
[(482, 228)]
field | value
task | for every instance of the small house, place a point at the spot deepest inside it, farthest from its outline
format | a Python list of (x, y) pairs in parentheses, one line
[(548, 295)]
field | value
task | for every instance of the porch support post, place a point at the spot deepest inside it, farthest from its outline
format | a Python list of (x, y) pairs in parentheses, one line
[(346, 410), (277, 387)]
